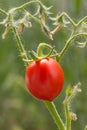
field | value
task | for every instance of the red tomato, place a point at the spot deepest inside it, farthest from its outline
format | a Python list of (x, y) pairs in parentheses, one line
[(45, 79)]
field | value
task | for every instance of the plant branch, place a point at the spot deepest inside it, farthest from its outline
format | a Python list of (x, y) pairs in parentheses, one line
[(43, 46), (26, 4), (67, 16), (52, 109), (67, 112), (20, 46), (71, 21), (33, 17), (69, 42), (82, 20), (3, 12)]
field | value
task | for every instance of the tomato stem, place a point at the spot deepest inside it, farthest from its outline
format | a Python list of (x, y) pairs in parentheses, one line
[(67, 16), (52, 109), (3, 12), (52, 53), (67, 102), (82, 20), (43, 46), (85, 127), (68, 118), (34, 55), (33, 17), (26, 4), (72, 37), (20, 46)]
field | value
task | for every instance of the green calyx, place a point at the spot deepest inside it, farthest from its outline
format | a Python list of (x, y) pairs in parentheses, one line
[(40, 55)]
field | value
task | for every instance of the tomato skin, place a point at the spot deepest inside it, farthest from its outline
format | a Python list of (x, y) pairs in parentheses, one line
[(44, 79)]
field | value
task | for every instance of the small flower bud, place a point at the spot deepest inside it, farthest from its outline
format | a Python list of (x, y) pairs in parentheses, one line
[(57, 29), (73, 116), (20, 28), (27, 24), (6, 31), (69, 91)]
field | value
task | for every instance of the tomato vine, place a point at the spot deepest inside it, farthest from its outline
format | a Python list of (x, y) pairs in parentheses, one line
[(60, 21)]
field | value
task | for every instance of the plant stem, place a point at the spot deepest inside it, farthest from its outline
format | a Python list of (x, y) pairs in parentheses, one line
[(2, 11), (82, 20), (43, 46), (67, 16), (67, 112), (33, 17), (52, 109), (24, 5), (85, 127), (68, 43), (20, 46)]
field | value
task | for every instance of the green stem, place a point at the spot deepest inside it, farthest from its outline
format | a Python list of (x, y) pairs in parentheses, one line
[(52, 109), (69, 42), (3, 12), (68, 119), (67, 16), (82, 20), (20, 46), (85, 127), (34, 18), (43, 46), (26, 4)]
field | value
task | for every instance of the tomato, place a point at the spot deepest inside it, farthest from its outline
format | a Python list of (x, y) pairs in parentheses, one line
[(44, 79)]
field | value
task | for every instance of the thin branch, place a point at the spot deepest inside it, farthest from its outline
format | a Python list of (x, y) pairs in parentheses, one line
[(20, 46), (69, 42), (52, 109), (26, 4), (3, 12)]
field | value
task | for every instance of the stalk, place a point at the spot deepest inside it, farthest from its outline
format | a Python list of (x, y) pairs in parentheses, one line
[(55, 115)]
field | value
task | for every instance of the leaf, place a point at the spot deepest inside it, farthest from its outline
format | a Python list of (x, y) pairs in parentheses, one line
[(46, 10), (81, 44)]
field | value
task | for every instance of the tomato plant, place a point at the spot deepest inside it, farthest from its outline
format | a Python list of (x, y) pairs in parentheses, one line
[(45, 78), (44, 75)]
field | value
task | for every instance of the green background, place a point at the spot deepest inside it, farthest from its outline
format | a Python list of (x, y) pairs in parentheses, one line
[(18, 109)]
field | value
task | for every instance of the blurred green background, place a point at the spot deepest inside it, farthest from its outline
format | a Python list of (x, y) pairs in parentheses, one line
[(18, 109)]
